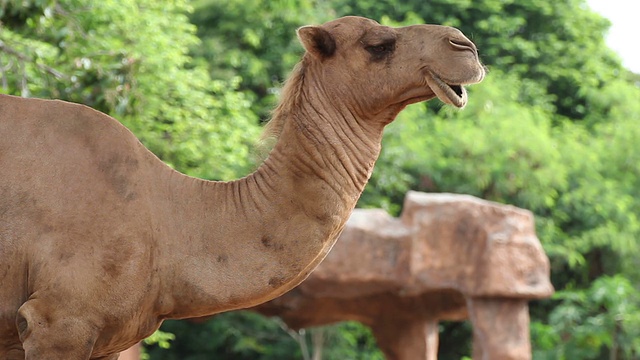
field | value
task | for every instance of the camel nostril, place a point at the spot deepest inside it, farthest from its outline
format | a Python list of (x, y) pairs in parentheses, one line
[(463, 45)]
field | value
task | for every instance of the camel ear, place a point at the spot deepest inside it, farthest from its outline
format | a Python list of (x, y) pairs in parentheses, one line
[(317, 41)]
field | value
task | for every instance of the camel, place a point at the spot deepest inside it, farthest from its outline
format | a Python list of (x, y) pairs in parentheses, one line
[(88, 214)]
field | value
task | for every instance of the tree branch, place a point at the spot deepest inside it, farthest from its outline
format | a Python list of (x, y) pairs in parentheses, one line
[(26, 59)]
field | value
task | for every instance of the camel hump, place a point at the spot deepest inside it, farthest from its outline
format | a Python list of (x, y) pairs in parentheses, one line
[(32, 123), (47, 138), (59, 160)]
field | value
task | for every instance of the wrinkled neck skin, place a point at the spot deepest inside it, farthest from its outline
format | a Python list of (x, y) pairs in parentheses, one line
[(253, 239)]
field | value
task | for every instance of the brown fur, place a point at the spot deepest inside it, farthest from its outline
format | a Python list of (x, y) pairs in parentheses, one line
[(289, 100), (100, 241)]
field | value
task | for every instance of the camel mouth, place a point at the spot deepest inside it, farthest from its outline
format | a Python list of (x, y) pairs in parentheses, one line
[(453, 94)]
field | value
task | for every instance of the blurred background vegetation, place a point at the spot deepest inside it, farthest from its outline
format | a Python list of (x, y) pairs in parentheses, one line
[(554, 128)]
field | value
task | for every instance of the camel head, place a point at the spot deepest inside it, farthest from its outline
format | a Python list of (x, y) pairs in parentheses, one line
[(379, 69)]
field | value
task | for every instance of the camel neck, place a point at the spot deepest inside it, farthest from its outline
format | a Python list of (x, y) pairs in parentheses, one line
[(330, 153), (253, 239)]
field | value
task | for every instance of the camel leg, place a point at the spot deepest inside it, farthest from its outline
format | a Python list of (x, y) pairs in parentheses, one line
[(49, 332), (13, 354), (10, 346)]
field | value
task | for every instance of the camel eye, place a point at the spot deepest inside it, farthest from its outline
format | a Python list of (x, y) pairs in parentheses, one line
[(380, 51)]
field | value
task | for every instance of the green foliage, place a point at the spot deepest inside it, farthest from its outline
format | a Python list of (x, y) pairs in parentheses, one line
[(159, 338), (349, 341), (236, 335), (599, 210), (254, 41), (601, 321), (247, 335), (130, 59)]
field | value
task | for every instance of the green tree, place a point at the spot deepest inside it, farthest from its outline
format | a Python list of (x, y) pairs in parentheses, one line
[(247, 335), (601, 322), (130, 59), (254, 41)]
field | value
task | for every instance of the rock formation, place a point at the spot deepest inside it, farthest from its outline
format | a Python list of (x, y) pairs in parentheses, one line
[(448, 257)]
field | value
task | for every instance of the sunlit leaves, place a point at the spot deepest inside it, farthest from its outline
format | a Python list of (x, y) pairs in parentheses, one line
[(602, 320), (254, 41)]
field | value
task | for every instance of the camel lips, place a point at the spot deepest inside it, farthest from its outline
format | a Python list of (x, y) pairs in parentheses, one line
[(455, 95)]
